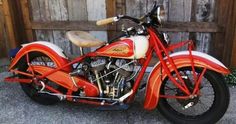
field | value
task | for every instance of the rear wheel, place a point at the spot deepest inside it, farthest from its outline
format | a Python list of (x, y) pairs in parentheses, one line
[(208, 107), (31, 89)]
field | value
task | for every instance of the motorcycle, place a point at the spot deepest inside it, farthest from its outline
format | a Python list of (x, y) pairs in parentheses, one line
[(185, 86)]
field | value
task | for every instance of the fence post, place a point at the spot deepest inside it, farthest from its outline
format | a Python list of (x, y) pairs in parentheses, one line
[(111, 11), (233, 36), (9, 24), (3, 46), (26, 19), (221, 45)]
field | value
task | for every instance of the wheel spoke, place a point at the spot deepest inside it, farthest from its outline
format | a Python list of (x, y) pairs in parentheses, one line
[(207, 94), (203, 105), (169, 88), (199, 106), (45, 63), (206, 104)]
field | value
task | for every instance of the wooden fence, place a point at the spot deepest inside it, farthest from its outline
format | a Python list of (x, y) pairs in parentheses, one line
[(4, 47), (46, 12), (201, 20)]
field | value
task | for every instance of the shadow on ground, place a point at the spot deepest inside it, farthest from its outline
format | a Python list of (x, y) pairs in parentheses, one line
[(16, 107)]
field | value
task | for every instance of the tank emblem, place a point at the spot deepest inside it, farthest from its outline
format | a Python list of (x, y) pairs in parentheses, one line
[(118, 50)]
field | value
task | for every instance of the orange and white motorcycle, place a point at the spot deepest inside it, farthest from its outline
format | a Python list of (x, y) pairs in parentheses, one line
[(186, 86)]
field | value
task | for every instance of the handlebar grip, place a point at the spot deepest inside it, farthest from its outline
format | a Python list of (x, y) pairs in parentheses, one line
[(106, 21)]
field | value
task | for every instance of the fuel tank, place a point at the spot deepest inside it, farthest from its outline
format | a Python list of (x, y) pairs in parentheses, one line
[(134, 47)]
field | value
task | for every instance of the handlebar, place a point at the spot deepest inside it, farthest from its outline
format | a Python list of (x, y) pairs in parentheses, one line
[(106, 21), (115, 19), (119, 17)]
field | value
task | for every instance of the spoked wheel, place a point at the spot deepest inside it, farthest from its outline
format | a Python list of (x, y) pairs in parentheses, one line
[(32, 90), (208, 107)]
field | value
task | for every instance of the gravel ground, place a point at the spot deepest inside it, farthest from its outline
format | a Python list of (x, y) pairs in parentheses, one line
[(16, 107)]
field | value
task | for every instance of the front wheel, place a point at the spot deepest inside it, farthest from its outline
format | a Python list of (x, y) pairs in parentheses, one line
[(207, 108)]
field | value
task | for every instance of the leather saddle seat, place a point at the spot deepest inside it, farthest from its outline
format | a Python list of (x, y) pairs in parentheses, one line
[(83, 39)]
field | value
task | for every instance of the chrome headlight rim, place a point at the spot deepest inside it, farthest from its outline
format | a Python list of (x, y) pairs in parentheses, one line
[(161, 14)]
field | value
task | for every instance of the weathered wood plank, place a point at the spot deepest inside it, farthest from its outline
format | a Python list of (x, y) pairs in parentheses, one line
[(96, 11), (64, 10), (77, 10), (221, 16), (44, 35), (36, 16), (111, 11), (230, 35), (192, 36), (9, 24), (68, 25), (91, 25), (120, 7), (204, 12), (3, 47), (115, 7), (18, 23), (136, 8), (44, 10), (202, 41), (35, 10), (65, 17), (233, 56), (58, 12), (179, 11), (26, 19), (191, 27)]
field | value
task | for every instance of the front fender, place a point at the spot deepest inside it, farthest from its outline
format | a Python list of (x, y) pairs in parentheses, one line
[(49, 49), (181, 59)]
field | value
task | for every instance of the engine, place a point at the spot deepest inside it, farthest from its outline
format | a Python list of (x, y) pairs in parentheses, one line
[(113, 76)]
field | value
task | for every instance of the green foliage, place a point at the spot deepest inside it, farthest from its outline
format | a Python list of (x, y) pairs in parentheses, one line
[(231, 78), (3, 68)]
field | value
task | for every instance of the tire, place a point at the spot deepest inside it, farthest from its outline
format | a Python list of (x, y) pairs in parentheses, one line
[(193, 115), (30, 89)]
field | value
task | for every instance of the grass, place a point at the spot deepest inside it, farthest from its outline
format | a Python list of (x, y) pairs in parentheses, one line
[(3, 68), (231, 78)]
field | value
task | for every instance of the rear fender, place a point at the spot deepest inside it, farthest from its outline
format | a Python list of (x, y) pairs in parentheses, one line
[(181, 59), (49, 49)]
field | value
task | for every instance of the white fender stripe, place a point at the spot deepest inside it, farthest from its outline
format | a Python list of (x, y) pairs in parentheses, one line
[(195, 53), (199, 54), (54, 47)]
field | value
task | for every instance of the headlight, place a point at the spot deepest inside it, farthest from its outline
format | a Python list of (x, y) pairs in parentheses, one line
[(161, 14)]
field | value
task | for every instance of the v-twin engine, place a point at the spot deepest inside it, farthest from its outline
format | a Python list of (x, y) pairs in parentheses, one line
[(113, 76)]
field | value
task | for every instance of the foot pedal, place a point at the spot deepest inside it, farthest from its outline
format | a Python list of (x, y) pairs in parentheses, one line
[(113, 108)]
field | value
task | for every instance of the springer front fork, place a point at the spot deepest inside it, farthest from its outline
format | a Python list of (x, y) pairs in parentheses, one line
[(168, 63)]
